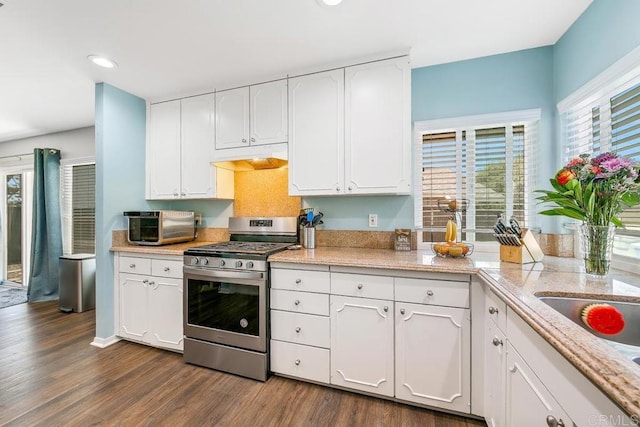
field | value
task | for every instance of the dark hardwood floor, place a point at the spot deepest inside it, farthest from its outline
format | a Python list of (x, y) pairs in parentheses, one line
[(50, 375)]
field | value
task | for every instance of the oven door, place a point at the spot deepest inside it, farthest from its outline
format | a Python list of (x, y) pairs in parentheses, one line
[(226, 307)]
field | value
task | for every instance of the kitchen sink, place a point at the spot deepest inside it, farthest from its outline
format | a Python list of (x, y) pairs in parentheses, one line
[(572, 307)]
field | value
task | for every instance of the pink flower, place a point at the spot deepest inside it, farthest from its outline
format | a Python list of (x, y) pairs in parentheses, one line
[(615, 164), (575, 162)]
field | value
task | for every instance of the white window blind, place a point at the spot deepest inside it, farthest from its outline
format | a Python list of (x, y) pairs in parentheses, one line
[(78, 208), (490, 166)]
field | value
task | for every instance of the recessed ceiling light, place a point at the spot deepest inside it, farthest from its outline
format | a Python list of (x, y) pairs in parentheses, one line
[(102, 61), (329, 2)]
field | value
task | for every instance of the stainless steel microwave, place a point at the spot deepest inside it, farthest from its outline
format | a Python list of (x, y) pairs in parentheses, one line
[(160, 227)]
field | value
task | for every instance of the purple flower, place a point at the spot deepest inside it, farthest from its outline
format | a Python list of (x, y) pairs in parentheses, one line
[(604, 157), (615, 164)]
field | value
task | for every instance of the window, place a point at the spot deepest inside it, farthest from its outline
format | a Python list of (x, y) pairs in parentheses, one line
[(484, 163), (602, 116), (78, 206)]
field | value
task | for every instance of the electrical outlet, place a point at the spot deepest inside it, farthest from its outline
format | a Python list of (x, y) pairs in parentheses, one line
[(373, 220)]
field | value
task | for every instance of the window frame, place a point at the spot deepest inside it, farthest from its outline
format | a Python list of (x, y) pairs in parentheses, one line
[(67, 227)]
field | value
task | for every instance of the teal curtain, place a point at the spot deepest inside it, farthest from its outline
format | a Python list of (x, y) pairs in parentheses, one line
[(46, 233)]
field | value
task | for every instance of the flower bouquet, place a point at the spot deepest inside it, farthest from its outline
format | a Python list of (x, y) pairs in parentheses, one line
[(595, 190)]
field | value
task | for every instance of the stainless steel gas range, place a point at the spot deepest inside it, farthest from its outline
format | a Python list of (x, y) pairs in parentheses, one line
[(226, 296)]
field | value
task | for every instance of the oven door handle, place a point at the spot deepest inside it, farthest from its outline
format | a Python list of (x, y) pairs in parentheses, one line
[(218, 274)]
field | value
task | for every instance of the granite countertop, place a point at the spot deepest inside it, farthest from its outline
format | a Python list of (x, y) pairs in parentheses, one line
[(519, 285), (175, 249)]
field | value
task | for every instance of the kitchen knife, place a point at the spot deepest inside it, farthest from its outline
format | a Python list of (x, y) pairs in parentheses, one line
[(515, 226), (500, 225)]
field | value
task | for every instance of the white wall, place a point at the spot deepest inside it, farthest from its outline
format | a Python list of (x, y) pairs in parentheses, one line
[(72, 144)]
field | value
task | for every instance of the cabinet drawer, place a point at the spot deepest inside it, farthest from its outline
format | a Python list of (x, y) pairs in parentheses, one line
[(166, 268), (360, 285), (496, 310), (436, 292), (300, 302), (300, 361), (135, 265), (300, 328), (300, 280)]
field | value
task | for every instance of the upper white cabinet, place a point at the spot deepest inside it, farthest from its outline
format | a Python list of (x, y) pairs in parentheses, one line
[(350, 130), (378, 127), (251, 115), (179, 151), (316, 129)]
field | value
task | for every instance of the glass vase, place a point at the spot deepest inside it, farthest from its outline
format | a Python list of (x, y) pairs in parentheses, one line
[(597, 246)]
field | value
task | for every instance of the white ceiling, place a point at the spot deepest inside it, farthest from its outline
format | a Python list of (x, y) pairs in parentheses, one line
[(166, 49)]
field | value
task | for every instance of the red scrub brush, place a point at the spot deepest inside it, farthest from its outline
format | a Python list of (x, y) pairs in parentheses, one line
[(603, 318)]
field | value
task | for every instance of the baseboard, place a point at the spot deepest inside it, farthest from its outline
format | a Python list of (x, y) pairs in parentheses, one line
[(104, 342)]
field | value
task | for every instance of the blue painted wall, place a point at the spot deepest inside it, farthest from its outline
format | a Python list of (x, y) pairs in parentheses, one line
[(605, 32), (120, 181)]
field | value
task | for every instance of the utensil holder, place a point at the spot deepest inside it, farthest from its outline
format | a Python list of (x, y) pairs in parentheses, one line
[(309, 238), (529, 251)]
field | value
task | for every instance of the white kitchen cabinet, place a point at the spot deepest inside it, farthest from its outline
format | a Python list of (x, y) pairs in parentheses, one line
[(180, 149), (349, 130), (362, 350), (433, 356), (378, 127), (252, 115), (495, 347), (149, 300), (528, 402), (316, 134)]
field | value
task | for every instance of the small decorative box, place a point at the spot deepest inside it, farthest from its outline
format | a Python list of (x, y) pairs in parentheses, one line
[(403, 239)]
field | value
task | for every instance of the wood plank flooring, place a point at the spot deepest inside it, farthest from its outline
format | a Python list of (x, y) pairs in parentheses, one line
[(51, 376)]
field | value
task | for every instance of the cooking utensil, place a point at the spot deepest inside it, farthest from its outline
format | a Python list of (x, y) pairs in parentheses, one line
[(309, 218), (317, 219), (515, 226), (500, 225)]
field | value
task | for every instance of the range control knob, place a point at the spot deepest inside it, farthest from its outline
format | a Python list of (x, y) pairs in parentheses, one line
[(238, 264), (204, 261), (194, 260), (221, 263), (249, 264)]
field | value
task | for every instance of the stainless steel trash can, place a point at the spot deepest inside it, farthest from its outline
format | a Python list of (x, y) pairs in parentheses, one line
[(77, 287)]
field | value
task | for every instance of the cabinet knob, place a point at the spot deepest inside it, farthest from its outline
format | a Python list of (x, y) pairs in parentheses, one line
[(145, 281), (430, 293), (175, 194), (338, 188), (496, 342), (493, 310), (386, 309), (132, 266), (244, 140), (298, 281), (183, 194), (297, 362), (402, 311), (297, 302), (167, 269), (349, 188), (253, 140), (359, 285), (552, 422), (298, 329)]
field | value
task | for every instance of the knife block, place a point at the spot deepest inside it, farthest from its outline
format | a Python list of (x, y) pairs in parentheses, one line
[(527, 253)]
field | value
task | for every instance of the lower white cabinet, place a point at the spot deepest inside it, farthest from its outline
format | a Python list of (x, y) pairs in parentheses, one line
[(362, 350), (495, 353), (528, 403), (433, 355), (149, 299)]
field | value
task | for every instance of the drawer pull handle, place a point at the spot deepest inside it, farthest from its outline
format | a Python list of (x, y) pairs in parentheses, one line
[(145, 281), (402, 311), (298, 329), (297, 362), (359, 285), (496, 342), (132, 266), (166, 269), (430, 293), (298, 281), (297, 302), (552, 422), (493, 310), (386, 309)]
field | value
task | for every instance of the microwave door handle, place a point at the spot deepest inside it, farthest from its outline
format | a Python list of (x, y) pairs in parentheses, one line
[(215, 274)]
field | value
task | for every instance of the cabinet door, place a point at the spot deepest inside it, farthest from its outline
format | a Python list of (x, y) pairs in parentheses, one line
[(316, 134), (528, 402), (232, 118), (198, 174), (433, 356), (362, 344), (268, 113), (165, 313), (163, 151), (494, 373), (133, 306), (378, 127)]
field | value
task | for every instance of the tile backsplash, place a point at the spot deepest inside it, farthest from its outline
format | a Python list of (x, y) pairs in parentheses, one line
[(264, 193)]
